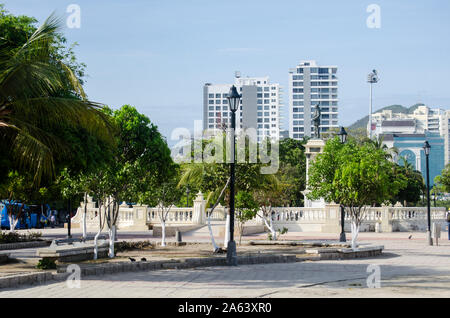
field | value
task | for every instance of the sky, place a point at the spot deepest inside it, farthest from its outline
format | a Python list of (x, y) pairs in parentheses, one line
[(157, 54)]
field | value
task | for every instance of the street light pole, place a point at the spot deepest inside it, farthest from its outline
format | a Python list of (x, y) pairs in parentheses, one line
[(233, 101), (371, 79), (187, 196), (426, 148), (343, 138)]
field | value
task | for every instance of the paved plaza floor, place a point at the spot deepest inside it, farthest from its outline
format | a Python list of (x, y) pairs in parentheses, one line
[(408, 268)]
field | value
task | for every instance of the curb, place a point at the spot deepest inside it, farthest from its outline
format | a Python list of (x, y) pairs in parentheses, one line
[(25, 279), (120, 267), (19, 245)]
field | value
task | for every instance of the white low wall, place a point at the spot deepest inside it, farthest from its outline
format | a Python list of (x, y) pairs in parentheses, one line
[(295, 219)]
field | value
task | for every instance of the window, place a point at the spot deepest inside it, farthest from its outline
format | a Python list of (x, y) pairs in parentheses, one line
[(259, 95), (217, 101), (211, 101), (211, 95)]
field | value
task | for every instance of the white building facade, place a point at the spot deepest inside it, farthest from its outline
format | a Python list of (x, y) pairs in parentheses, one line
[(309, 85), (423, 119), (260, 108)]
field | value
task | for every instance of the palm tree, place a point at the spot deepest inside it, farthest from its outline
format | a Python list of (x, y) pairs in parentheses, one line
[(38, 90), (378, 143)]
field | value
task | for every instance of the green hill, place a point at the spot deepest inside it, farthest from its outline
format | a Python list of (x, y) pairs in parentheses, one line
[(362, 123)]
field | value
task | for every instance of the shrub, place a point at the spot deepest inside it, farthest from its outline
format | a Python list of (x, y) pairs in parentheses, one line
[(15, 237), (46, 263), (128, 246)]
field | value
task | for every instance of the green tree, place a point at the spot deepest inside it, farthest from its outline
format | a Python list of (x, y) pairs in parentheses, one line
[(443, 180), (16, 189), (410, 193), (140, 163), (246, 209), (356, 176), (39, 89), (166, 195), (292, 171)]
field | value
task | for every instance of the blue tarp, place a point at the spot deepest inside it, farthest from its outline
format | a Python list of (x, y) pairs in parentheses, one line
[(28, 219)]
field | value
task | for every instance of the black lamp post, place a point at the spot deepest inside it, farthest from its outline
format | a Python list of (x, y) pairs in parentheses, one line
[(233, 101), (69, 219), (426, 149), (343, 138), (187, 196)]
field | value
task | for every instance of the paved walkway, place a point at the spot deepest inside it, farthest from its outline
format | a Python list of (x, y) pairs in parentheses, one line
[(409, 268)]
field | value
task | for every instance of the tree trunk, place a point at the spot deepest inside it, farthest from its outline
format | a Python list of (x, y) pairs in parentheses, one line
[(211, 232), (355, 232), (272, 230), (12, 223), (269, 225), (112, 239), (84, 217), (163, 232), (227, 231), (99, 230)]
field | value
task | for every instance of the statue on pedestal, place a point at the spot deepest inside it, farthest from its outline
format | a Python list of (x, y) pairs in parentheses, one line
[(316, 121)]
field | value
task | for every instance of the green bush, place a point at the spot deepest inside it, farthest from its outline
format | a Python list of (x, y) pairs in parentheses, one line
[(128, 246), (46, 263), (15, 237)]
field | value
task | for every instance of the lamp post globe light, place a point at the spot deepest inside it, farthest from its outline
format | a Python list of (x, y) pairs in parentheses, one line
[(426, 149), (372, 78), (343, 138), (233, 101)]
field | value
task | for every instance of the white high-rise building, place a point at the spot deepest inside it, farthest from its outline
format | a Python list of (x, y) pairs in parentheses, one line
[(260, 107), (423, 119), (309, 85)]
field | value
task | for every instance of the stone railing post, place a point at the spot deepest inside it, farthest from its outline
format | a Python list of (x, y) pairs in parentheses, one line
[(199, 214), (332, 219), (386, 220)]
